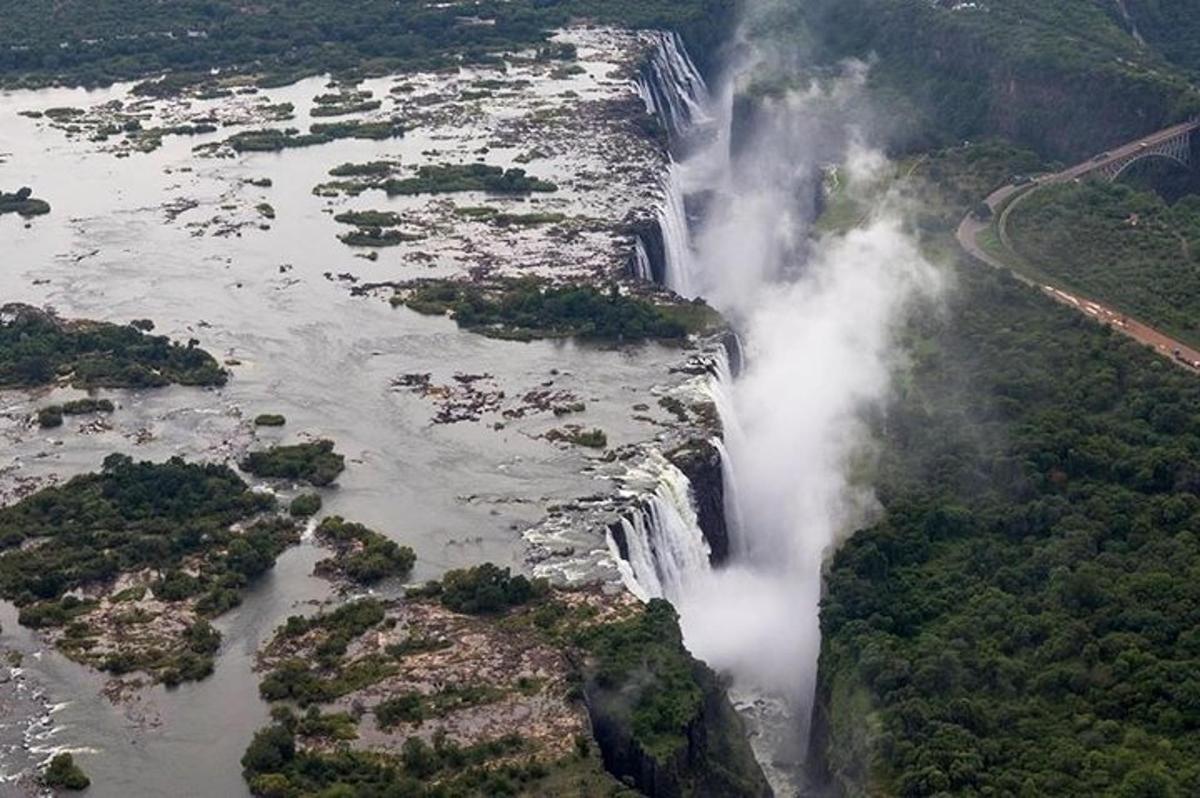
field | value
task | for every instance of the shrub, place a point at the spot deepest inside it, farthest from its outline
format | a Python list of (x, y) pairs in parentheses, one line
[(314, 462), (305, 504), (488, 589), (63, 773)]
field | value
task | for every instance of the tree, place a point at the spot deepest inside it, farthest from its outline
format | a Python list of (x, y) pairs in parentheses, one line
[(63, 773)]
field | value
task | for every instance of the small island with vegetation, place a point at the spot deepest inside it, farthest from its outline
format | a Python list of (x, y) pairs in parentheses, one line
[(361, 555), (123, 569), (38, 348), (315, 462), (488, 683), (63, 774), (451, 178), (52, 415), (524, 309)]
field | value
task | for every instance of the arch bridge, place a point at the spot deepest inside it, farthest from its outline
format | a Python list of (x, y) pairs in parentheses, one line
[(1173, 144)]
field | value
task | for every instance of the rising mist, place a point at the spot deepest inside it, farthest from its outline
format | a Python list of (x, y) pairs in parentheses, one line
[(818, 316)]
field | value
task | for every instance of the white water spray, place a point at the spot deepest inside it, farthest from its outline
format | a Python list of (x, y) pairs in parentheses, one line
[(672, 87), (666, 549), (819, 314)]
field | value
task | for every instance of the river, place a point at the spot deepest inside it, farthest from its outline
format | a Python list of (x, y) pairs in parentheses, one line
[(266, 294)]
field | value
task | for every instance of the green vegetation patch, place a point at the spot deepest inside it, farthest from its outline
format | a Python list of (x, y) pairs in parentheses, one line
[(37, 348), (325, 674), (577, 436), (62, 773), (483, 589), (175, 520), (305, 505), (52, 415), (269, 420), (374, 219), (362, 554), (414, 707), (449, 178), (529, 309), (1126, 248), (346, 108), (275, 765), (276, 140), (645, 654), (367, 169), (377, 237), (501, 219), (316, 462)]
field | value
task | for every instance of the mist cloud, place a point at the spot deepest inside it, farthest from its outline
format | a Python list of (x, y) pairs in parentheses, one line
[(818, 316)]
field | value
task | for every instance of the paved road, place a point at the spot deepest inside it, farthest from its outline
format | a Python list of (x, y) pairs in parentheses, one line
[(1124, 151), (970, 228)]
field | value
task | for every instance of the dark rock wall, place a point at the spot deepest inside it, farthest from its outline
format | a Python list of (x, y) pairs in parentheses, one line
[(700, 462), (715, 762)]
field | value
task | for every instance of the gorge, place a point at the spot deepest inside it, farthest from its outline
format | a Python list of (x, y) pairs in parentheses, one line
[(817, 316)]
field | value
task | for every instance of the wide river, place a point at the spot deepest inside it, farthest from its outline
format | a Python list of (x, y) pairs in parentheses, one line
[(305, 347)]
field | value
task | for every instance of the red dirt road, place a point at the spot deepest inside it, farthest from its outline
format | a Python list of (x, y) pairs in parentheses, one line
[(970, 227)]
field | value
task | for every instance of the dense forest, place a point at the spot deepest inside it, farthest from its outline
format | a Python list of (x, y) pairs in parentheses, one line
[(1125, 247), (1172, 26), (1065, 78), (1023, 621), (95, 42)]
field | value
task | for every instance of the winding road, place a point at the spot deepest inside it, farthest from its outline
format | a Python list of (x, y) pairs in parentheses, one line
[(1002, 202)]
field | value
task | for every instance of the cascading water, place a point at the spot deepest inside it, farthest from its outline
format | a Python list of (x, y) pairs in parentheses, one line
[(641, 262), (819, 315), (677, 243), (675, 92), (672, 88), (664, 546)]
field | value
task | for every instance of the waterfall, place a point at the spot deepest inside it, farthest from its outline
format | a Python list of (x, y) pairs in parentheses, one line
[(820, 314), (675, 92), (641, 261), (672, 87), (677, 239), (665, 549)]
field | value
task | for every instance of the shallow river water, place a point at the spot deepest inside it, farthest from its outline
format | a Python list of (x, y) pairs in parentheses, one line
[(458, 493)]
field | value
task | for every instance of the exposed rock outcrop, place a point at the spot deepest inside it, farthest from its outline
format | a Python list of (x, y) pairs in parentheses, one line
[(700, 461)]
